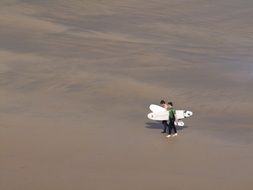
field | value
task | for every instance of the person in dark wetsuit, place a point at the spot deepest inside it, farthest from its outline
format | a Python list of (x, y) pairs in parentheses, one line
[(164, 122), (172, 119)]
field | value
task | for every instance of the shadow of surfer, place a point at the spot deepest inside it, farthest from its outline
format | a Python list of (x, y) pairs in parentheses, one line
[(158, 125)]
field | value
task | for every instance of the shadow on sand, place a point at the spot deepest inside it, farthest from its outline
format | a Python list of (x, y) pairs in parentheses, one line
[(158, 125)]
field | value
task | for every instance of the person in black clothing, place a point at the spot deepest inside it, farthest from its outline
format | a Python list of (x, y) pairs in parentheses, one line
[(164, 122), (172, 119)]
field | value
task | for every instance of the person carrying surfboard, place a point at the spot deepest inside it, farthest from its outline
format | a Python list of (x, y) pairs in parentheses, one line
[(172, 119), (164, 122)]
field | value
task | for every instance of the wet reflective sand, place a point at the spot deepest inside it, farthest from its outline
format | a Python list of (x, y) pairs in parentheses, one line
[(77, 78)]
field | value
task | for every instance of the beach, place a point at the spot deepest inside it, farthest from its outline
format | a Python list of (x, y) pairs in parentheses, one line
[(77, 78)]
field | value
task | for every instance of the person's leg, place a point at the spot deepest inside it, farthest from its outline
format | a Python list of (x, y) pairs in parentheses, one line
[(174, 127), (165, 125), (170, 127)]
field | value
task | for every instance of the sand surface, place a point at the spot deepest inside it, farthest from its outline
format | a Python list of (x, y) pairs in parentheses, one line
[(77, 78)]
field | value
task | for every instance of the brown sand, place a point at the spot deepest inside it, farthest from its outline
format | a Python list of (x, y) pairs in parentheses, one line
[(77, 78)]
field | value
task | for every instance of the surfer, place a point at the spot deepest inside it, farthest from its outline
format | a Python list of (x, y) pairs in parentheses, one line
[(164, 122), (172, 119)]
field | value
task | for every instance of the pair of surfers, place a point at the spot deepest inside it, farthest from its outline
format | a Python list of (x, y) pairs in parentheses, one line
[(172, 118)]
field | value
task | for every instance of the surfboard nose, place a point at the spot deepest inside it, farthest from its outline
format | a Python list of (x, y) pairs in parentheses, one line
[(150, 115), (188, 113)]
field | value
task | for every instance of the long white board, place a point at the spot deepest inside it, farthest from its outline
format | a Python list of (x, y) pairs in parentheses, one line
[(160, 113)]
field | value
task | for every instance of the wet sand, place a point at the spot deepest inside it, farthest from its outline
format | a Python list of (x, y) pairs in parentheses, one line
[(77, 78)]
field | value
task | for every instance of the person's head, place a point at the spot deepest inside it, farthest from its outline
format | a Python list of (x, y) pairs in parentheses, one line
[(162, 102), (170, 104)]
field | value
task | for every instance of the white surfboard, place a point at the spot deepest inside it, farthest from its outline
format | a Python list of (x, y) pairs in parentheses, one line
[(163, 116), (179, 123), (156, 108), (160, 116), (179, 113)]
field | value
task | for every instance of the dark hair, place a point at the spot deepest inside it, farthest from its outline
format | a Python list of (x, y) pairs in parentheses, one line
[(162, 102), (170, 103)]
